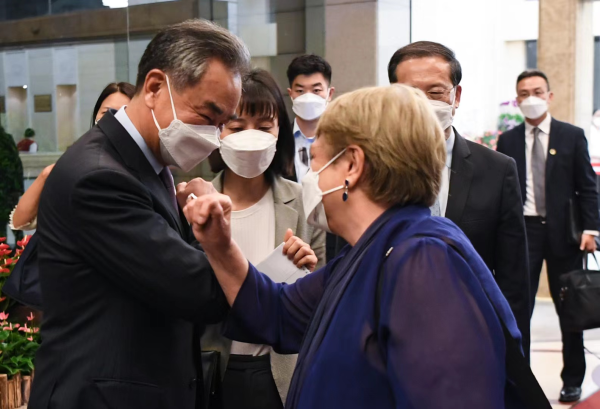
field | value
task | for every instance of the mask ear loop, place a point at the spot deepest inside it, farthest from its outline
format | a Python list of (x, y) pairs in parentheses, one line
[(172, 105), (331, 161)]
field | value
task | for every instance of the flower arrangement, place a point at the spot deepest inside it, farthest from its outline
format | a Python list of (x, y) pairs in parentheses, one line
[(510, 116), (489, 139), (7, 264), (19, 341)]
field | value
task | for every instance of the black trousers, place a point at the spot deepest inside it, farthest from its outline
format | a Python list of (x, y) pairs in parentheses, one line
[(249, 384), (539, 250)]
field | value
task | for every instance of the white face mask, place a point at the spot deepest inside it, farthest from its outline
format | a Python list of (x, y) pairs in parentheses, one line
[(534, 107), (596, 122), (444, 111), (184, 145), (309, 106), (248, 153), (312, 197)]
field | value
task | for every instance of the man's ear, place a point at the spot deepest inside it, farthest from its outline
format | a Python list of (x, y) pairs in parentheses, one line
[(154, 85)]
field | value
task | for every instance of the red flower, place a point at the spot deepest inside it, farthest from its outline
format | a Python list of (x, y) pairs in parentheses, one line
[(4, 252), (30, 339), (19, 252), (2, 239), (2, 299), (4, 246), (24, 242), (17, 325), (8, 261), (4, 270), (30, 317), (3, 316)]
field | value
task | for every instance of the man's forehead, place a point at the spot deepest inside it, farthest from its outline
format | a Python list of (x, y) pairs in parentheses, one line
[(531, 83), (429, 68), (310, 80)]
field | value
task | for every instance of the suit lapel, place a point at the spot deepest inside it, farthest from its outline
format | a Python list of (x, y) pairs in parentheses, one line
[(520, 159), (553, 146), (135, 160), (286, 217), (460, 179)]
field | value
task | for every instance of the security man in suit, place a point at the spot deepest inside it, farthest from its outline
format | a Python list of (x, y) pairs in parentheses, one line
[(556, 179)]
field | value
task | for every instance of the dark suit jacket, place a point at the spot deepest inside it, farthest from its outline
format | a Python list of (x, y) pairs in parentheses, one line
[(484, 200), (569, 175), (124, 291)]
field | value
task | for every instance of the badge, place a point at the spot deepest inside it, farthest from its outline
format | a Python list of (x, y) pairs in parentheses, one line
[(552, 151)]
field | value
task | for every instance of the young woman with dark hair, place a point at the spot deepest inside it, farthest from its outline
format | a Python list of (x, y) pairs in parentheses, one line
[(114, 96), (258, 155)]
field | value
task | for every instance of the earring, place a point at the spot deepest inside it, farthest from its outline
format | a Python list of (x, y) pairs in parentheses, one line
[(345, 195)]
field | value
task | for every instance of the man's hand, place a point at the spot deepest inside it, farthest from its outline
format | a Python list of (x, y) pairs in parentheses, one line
[(197, 186), (210, 217), (588, 243), (299, 252)]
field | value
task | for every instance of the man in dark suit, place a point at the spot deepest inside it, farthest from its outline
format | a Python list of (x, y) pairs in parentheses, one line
[(480, 190), (126, 290), (554, 170)]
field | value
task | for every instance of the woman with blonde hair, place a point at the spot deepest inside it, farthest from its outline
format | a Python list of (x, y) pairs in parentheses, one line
[(408, 315)]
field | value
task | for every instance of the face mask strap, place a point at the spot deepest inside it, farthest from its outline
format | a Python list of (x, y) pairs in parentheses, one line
[(332, 160), (171, 96), (172, 104), (335, 189)]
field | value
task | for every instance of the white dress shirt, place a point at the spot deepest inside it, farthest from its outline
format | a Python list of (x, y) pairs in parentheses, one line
[(445, 187), (122, 117), (302, 143), (529, 208)]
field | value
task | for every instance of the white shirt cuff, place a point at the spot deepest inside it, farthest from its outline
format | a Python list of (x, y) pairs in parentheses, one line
[(594, 233), (32, 225)]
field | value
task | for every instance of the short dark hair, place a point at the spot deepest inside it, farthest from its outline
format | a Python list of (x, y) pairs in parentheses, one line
[(533, 73), (124, 88), (262, 97), (308, 64), (184, 50), (422, 49), (29, 133)]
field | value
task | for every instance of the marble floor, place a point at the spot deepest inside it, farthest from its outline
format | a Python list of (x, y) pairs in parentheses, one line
[(546, 357)]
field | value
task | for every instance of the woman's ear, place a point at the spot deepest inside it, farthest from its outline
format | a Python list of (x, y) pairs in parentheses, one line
[(356, 164)]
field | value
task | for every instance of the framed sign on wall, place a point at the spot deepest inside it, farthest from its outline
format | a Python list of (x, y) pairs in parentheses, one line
[(42, 103)]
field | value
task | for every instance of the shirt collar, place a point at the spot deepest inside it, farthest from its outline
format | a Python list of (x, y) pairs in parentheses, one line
[(298, 133), (450, 147), (122, 117), (544, 126)]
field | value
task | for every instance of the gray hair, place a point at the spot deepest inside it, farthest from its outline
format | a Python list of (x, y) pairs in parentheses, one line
[(183, 51)]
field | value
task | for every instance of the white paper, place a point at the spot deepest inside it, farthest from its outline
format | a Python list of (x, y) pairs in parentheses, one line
[(281, 269)]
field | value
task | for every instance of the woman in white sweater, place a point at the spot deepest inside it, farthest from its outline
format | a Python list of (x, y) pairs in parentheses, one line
[(258, 156)]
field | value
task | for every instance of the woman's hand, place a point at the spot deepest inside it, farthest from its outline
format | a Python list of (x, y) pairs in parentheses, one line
[(299, 252), (197, 186)]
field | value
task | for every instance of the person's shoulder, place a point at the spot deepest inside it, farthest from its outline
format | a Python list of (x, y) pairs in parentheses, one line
[(566, 128), (488, 156), (515, 132), (90, 154), (287, 189)]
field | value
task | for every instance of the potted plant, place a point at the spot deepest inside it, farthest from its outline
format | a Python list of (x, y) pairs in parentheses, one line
[(19, 341)]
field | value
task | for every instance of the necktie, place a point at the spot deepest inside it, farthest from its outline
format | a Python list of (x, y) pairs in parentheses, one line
[(435, 209), (167, 178), (538, 168)]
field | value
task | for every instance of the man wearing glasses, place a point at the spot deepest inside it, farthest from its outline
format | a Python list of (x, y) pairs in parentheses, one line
[(480, 187)]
